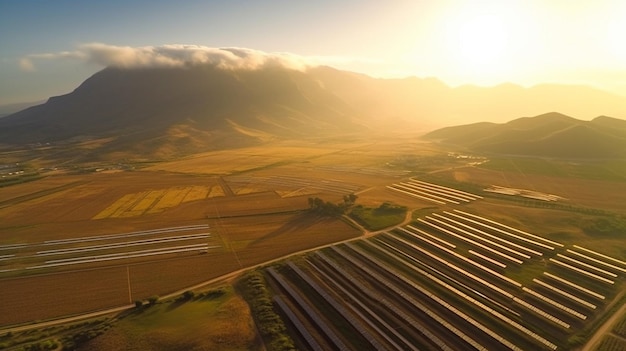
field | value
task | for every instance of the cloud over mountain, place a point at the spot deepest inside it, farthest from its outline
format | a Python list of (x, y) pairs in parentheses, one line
[(173, 55)]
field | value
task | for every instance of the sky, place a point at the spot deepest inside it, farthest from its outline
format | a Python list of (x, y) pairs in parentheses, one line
[(47, 48)]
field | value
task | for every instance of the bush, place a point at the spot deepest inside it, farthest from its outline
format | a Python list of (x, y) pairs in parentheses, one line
[(152, 300), (326, 208), (270, 324), (138, 304)]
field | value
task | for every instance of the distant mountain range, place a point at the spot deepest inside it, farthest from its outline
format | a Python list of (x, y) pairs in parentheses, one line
[(9, 109), (548, 135), (171, 111)]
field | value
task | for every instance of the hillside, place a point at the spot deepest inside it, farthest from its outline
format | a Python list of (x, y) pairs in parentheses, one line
[(190, 109), (434, 104), (9, 109), (547, 135), (168, 112)]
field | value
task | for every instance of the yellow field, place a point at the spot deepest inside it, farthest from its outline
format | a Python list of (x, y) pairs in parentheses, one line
[(247, 190), (149, 200), (118, 206), (155, 201), (172, 198), (298, 192), (228, 161), (216, 191), (197, 193)]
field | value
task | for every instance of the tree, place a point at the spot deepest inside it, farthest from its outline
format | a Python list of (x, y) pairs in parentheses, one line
[(352, 198), (188, 295), (152, 300)]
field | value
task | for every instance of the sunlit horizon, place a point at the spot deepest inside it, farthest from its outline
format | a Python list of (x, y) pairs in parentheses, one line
[(485, 44)]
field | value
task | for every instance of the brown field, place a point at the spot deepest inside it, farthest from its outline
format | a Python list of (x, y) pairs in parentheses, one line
[(41, 297), (254, 221), (556, 225), (246, 241), (576, 191), (239, 160)]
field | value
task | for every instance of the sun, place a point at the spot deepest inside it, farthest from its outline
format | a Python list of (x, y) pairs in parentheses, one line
[(480, 41), (486, 44)]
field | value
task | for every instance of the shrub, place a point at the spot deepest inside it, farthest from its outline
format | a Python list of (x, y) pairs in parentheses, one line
[(188, 295), (152, 300)]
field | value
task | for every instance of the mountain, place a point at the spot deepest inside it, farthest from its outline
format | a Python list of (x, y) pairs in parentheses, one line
[(8, 109), (547, 135), (435, 104), (187, 109), (166, 112)]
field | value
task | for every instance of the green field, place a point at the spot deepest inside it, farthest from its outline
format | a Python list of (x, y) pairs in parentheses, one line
[(217, 319), (384, 216)]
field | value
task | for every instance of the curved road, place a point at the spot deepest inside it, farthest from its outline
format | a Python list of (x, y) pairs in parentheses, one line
[(605, 328), (222, 278)]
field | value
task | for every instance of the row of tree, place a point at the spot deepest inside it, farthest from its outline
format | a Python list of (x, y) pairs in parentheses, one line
[(327, 208)]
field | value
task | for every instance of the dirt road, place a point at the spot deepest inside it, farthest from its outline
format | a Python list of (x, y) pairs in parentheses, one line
[(222, 278), (594, 341)]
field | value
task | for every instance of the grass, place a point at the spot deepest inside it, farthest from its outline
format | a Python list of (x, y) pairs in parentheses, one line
[(612, 343), (4, 182), (620, 328), (384, 216), (207, 321)]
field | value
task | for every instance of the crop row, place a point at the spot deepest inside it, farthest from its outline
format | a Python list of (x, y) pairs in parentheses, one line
[(474, 301), (123, 255), (369, 312), (433, 192), (333, 186), (556, 292), (432, 297), (464, 274), (149, 244), (152, 201), (453, 293), (310, 340), (309, 310), (386, 304), (341, 309)]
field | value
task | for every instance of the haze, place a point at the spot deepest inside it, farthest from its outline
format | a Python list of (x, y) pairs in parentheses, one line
[(46, 46), (332, 175)]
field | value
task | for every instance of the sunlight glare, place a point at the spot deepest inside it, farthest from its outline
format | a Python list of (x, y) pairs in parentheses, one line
[(482, 40), (489, 43), (615, 42)]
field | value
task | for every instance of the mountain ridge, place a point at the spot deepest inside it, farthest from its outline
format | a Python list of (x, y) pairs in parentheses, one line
[(547, 135), (203, 107)]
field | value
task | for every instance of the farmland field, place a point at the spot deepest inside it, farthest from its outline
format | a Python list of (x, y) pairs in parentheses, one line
[(217, 319), (492, 299), (160, 229), (243, 228)]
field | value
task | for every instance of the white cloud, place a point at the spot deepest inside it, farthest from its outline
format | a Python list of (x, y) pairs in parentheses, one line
[(172, 56), (26, 64)]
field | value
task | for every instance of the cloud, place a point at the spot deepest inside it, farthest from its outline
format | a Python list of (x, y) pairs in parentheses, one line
[(172, 56), (26, 64)]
